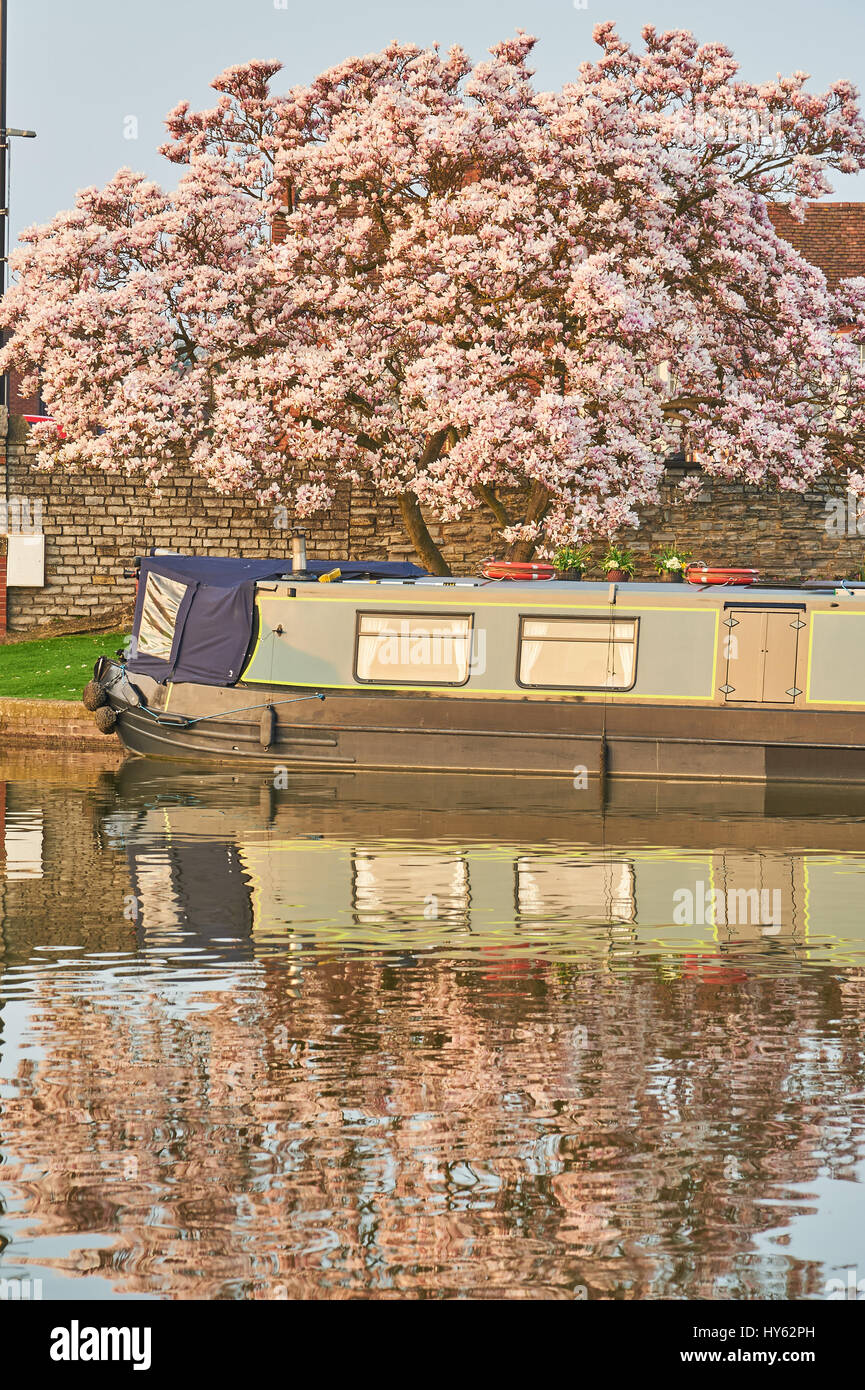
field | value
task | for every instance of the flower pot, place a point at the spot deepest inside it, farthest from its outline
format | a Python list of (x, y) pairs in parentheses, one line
[(574, 573), (674, 577), (618, 576)]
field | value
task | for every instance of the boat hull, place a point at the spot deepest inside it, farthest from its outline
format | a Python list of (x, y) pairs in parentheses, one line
[(533, 737)]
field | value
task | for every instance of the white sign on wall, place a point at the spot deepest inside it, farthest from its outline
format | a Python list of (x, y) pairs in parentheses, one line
[(25, 563)]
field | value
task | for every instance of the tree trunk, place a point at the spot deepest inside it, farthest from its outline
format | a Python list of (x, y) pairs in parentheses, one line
[(416, 528), (539, 500), (496, 506)]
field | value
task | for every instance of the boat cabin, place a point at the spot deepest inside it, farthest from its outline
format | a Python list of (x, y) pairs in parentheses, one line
[(592, 642)]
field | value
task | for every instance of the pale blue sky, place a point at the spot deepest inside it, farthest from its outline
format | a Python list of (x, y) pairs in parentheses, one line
[(79, 68)]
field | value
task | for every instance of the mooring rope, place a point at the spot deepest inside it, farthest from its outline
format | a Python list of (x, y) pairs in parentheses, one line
[(180, 721)]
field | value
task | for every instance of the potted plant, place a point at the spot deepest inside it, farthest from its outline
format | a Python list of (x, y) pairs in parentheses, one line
[(571, 560), (671, 563), (618, 563)]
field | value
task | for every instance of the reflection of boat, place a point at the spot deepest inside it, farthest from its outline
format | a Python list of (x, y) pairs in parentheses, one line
[(323, 864), (604, 890), (744, 815), (196, 890), (251, 662)]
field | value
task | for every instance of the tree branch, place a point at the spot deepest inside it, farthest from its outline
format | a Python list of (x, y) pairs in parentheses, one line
[(536, 508), (489, 498)]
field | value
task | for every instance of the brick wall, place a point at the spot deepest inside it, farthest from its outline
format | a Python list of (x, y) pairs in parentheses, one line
[(95, 524), (23, 405)]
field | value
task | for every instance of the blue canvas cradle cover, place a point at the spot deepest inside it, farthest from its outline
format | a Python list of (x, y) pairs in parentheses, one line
[(204, 605)]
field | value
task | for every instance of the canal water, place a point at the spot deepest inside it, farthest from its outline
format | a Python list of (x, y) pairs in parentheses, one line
[(428, 1037)]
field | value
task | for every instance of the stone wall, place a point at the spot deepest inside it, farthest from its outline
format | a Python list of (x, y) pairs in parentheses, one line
[(95, 524), (788, 536), (3, 547)]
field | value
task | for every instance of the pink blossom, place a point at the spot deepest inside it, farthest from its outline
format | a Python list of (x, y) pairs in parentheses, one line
[(476, 287)]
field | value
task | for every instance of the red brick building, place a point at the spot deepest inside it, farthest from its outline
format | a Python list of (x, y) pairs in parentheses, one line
[(832, 237)]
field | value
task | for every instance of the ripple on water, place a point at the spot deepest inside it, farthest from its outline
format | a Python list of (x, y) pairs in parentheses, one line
[(260, 1046)]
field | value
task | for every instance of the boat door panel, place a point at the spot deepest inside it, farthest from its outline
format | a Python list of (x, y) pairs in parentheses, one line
[(761, 648), (744, 645), (779, 670)]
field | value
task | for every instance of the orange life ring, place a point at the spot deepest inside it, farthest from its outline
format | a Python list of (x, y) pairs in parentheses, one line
[(698, 573), (516, 569)]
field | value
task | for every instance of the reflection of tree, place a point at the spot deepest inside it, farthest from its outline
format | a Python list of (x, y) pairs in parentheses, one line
[(346, 1122), (382, 1130)]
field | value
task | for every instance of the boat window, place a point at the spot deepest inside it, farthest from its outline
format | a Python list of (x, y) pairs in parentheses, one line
[(423, 649), (578, 653), (162, 598)]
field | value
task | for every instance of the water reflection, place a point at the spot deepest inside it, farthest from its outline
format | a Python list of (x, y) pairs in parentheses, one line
[(432, 1037)]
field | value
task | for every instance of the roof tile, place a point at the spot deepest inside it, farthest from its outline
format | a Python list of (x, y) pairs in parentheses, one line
[(831, 237)]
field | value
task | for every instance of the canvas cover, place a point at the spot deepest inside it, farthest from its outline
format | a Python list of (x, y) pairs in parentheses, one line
[(194, 613)]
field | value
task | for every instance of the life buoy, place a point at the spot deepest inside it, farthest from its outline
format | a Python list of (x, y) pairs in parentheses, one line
[(698, 573), (516, 569)]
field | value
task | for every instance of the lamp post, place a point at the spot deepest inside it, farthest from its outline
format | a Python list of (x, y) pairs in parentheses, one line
[(6, 132)]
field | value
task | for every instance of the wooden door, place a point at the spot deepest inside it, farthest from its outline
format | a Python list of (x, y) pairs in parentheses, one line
[(761, 648)]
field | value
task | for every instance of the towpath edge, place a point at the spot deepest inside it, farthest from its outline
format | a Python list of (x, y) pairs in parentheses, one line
[(59, 724)]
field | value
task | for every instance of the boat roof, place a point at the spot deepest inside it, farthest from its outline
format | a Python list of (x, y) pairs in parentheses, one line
[(231, 571), (759, 593)]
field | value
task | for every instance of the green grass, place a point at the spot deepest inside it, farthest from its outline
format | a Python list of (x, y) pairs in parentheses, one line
[(57, 668)]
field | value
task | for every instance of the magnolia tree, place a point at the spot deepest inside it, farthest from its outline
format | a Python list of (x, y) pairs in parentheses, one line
[(485, 296)]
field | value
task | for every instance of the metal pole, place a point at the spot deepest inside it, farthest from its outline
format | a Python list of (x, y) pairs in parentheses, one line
[(4, 180), (5, 135)]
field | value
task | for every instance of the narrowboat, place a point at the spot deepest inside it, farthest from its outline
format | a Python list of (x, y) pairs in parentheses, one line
[(379, 666)]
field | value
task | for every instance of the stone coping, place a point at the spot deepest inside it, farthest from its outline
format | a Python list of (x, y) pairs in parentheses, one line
[(60, 724)]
